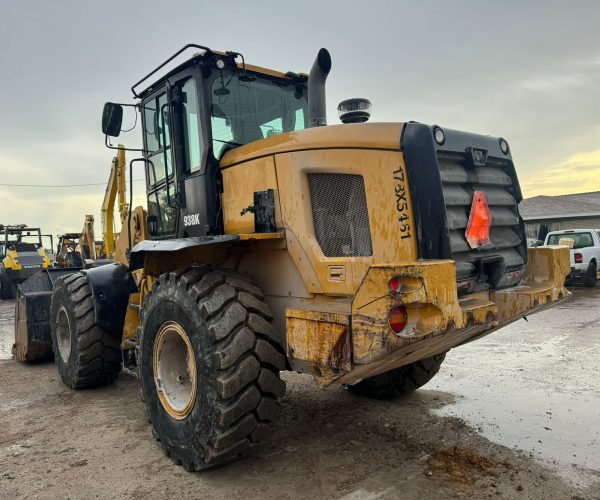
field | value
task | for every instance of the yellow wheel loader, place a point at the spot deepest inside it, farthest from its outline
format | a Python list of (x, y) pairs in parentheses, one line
[(358, 253)]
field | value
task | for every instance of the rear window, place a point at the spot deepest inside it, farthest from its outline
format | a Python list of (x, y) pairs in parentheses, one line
[(581, 240)]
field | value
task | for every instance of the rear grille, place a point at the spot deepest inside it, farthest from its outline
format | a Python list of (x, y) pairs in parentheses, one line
[(460, 180), (340, 214)]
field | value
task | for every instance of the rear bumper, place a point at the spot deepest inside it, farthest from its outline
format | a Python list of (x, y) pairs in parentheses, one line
[(347, 341), (577, 270)]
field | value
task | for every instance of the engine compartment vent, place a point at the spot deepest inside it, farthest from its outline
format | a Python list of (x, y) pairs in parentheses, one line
[(340, 214)]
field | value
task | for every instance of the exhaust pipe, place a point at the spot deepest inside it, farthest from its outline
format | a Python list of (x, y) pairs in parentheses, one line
[(317, 111)]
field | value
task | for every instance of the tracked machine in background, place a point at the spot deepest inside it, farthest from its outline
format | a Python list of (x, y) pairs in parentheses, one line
[(357, 253)]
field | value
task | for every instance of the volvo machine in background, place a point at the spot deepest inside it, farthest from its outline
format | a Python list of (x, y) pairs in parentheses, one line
[(21, 255), (358, 253)]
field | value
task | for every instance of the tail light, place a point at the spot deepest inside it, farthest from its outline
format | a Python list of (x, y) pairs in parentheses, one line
[(398, 319), (394, 284), (578, 258), (480, 220)]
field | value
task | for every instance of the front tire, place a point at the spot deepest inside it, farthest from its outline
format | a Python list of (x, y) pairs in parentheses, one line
[(86, 355), (209, 365), (590, 277), (400, 381)]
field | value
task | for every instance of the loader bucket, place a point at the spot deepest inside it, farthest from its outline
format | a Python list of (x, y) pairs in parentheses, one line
[(32, 315)]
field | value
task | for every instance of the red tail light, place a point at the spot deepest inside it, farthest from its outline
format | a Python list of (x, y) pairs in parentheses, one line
[(398, 319), (394, 284), (578, 258), (480, 220)]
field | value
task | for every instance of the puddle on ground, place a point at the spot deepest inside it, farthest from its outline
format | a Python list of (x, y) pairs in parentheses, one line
[(533, 386)]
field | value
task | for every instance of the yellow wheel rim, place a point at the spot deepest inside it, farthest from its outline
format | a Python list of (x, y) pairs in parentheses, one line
[(174, 370)]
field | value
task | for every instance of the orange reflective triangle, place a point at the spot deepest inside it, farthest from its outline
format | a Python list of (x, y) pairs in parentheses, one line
[(480, 221)]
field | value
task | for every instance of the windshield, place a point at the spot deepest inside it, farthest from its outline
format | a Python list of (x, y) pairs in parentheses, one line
[(581, 240), (243, 111)]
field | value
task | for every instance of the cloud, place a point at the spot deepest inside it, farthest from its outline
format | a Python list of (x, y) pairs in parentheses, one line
[(579, 173), (568, 76)]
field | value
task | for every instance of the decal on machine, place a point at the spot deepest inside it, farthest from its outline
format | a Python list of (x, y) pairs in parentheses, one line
[(402, 202), (191, 220)]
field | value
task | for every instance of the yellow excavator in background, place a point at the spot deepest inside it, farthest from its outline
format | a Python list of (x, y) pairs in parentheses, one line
[(90, 248), (32, 335), (114, 189)]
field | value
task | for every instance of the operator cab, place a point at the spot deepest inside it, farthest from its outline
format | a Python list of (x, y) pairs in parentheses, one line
[(190, 118), (20, 239)]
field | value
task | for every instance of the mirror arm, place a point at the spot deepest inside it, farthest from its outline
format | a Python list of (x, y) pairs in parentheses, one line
[(110, 146)]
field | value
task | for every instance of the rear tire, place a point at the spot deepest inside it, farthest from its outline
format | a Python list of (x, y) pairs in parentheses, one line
[(86, 355), (590, 277), (400, 381), (227, 367), (8, 289)]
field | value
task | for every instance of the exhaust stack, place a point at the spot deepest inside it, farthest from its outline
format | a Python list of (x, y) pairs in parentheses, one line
[(317, 111)]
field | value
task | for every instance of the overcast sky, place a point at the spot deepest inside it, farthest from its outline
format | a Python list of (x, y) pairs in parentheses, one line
[(528, 71)]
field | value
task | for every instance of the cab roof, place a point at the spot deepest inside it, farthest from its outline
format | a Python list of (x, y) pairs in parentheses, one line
[(207, 54)]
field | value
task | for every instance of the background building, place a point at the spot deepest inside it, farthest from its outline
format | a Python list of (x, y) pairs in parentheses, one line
[(551, 213)]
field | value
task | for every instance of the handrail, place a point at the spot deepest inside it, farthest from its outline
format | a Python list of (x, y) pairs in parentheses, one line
[(188, 46)]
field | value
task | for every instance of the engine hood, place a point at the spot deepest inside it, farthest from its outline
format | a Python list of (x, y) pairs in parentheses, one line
[(355, 135)]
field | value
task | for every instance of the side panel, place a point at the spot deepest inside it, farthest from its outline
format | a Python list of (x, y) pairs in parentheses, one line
[(239, 183), (389, 212)]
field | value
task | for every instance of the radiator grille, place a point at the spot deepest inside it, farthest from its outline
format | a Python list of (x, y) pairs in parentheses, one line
[(459, 181), (340, 214)]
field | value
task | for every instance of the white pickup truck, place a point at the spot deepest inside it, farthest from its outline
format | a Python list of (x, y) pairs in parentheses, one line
[(585, 253)]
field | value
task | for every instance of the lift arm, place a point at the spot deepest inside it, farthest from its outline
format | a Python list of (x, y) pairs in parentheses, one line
[(87, 244), (114, 188)]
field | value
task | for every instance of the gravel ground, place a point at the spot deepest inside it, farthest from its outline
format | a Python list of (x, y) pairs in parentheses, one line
[(514, 415)]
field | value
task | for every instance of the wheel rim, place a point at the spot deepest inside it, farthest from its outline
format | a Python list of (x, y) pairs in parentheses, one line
[(63, 334), (174, 370)]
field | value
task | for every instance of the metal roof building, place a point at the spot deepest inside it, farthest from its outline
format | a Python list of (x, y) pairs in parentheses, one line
[(552, 213)]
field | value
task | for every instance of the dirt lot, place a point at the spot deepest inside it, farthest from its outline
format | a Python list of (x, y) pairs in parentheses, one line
[(515, 415)]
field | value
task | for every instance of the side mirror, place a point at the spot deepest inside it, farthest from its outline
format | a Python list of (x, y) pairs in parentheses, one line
[(112, 118)]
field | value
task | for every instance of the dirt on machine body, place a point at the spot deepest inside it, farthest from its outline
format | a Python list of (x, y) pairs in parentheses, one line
[(359, 253)]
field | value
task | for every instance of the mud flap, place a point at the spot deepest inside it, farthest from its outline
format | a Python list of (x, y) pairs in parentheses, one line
[(32, 315)]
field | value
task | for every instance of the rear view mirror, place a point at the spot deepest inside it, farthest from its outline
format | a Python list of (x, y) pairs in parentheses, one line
[(112, 118)]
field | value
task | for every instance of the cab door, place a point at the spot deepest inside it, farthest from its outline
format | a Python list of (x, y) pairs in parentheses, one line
[(198, 176), (160, 175)]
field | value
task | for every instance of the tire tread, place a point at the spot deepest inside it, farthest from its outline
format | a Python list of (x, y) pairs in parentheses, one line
[(247, 360)]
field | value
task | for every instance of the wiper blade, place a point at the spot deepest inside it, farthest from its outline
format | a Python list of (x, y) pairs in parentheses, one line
[(228, 142)]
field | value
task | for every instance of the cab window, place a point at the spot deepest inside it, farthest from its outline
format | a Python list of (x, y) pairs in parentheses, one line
[(158, 138), (580, 240), (162, 216), (246, 111), (191, 127)]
